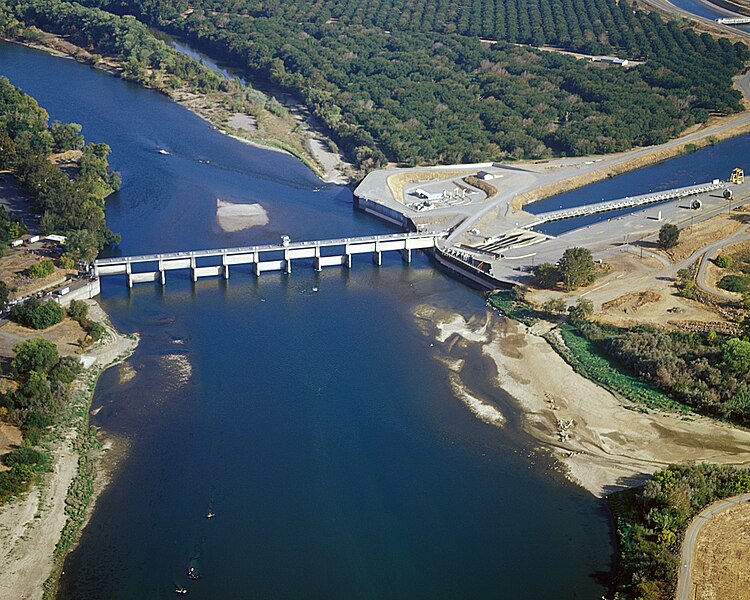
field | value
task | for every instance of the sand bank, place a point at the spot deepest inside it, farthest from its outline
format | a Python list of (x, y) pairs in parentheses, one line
[(604, 442), (31, 526), (237, 217)]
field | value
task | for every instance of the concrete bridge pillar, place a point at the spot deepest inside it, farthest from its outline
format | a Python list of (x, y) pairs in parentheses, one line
[(129, 274), (348, 261), (316, 259), (406, 255), (287, 262), (377, 257), (256, 263), (193, 268), (162, 273), (224, 266)]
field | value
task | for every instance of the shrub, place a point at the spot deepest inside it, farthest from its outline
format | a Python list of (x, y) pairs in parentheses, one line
[(723, 261), (554, 306), (41, 269), (546, 275), (735, 283), (78, 310), (36, 314), (24, 456), (66, 370), (34, 355)]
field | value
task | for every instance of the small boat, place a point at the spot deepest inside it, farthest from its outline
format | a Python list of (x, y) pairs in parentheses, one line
[(163, 151), (193, 574), (315, 289), (210, 515), (180, 590)]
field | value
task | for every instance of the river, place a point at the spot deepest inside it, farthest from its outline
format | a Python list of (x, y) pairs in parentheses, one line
[(318, 426)]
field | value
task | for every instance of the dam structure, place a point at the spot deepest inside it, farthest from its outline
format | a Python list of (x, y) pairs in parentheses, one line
[(270, 257)]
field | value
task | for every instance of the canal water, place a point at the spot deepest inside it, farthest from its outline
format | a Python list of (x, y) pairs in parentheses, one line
[(705, 165), (307, 412), (707, 10)]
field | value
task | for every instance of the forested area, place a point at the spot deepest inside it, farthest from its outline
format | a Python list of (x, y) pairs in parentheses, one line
[(73, 206), (145, 56), (652, 519), (412, 82), (42, 381), (709, 372)]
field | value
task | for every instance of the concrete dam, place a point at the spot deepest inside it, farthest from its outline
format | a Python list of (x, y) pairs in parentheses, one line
[(270, 257)]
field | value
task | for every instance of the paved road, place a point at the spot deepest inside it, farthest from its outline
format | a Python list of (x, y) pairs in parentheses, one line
[(685, 582), (709, 253), (667, 6)]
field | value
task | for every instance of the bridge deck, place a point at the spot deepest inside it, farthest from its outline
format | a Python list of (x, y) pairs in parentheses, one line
[(630, 202), (370, 239)]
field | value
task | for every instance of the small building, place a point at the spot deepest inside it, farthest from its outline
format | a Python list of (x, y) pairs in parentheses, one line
[(613, 60), (425, 195), (58, 239), (485, 175), (33, 239)]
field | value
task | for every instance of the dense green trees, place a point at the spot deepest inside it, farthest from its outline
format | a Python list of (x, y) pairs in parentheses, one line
[(34, 355), (37, 314), (68, 205), (411, 82), (708, 372), (574, 269), (651, 520)]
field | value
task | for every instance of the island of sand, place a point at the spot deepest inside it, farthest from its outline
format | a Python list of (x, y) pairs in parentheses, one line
[(233, 217)]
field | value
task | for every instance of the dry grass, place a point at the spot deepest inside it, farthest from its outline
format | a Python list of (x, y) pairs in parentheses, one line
[(632, 301), (10, 439), (65, 335), (702, 234), (12, 267), (722, 556)]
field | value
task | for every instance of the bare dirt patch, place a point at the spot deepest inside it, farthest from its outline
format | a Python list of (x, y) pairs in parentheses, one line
[(721, 568), (10, 439), (65, 335), (243, 122)]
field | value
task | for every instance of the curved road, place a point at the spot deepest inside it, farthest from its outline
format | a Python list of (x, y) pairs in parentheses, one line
[(685, 582)]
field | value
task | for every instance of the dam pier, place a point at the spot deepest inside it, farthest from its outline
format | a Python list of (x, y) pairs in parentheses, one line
[(492, 242), (261, 259)]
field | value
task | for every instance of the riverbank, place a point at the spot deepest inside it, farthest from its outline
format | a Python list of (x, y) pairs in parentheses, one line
[(283, 130), (603, 442), (40, 528)]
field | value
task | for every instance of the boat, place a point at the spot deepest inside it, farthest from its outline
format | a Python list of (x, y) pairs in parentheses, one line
[(163, 151), (210, 515), (180, 590)]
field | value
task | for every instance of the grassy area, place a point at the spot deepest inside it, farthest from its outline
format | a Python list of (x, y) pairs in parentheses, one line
[(585, 359), (506, 302)]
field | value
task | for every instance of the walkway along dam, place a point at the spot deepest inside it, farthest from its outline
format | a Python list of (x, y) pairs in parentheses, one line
[(324, 253), (481, 263)]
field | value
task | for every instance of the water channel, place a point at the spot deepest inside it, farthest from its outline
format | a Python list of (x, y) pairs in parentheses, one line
[(317, 425)]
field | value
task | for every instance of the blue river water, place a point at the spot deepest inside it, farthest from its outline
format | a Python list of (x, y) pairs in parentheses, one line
[(319, 426)]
